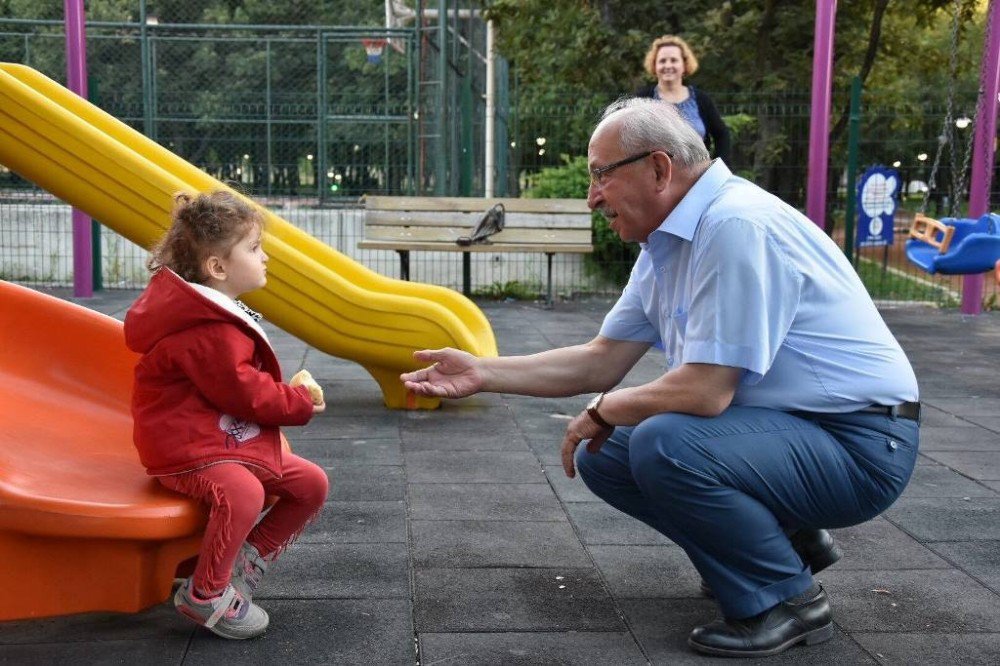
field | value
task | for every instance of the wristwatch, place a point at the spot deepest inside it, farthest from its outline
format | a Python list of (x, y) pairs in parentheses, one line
[(594, 414)]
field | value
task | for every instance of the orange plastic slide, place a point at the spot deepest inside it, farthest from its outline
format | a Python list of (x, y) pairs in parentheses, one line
[(100, 165), (82, 527)]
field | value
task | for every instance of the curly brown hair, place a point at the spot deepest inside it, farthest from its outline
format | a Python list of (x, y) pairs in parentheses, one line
[(690, 61), (203, 224)]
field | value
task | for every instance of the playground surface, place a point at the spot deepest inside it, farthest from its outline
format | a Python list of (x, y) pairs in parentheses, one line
[(453, 536)]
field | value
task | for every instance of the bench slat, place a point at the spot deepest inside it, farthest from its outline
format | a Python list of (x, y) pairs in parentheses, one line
[(476, 204), (451, 234), (495, 247), (470, 220)]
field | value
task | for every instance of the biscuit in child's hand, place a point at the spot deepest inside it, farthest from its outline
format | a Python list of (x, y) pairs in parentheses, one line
[(303, 378)]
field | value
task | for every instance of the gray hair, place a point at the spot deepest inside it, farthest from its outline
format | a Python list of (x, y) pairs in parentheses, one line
[(650, 124)]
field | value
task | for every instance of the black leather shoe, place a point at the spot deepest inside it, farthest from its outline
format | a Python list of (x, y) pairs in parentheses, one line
[(816, 548), (773, 631)]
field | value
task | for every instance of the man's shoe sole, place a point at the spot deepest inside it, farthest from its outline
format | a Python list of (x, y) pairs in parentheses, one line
[(813, 637)]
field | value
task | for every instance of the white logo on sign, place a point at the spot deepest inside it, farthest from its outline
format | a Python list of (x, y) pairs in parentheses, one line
[(877, 195)]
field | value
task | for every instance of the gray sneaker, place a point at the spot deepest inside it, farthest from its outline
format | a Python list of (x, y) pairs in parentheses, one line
[(230, 615), (248, 570)]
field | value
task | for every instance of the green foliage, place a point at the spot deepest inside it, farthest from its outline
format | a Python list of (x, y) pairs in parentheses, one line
[(891, 285), (990, 302), (511, 290), (612, 259), (588, 52), (569, 181)]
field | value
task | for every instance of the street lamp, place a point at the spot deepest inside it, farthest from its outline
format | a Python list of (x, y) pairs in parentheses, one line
[(963, 122)]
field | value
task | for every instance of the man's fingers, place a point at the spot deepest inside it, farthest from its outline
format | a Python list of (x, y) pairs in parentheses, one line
[(428, 355), (426, 388), (568, 450), (594, 445)]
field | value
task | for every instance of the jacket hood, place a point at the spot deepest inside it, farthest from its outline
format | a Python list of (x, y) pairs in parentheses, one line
[(170, 305)]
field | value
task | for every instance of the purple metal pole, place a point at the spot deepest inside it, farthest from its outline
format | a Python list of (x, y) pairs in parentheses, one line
[(76, 70), (984, 146), (819, 119)]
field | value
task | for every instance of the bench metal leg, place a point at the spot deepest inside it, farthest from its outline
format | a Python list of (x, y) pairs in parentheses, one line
[(548, 299), (404, 264), (467, 274)]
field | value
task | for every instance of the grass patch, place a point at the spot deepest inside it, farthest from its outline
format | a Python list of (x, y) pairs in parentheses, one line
[(513, 290), (892, 285)]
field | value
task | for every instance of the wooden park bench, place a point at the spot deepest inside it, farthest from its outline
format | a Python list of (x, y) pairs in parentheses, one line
[(434, 224)]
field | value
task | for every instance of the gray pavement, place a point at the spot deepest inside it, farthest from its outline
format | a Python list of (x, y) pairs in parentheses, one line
[(453, 537)]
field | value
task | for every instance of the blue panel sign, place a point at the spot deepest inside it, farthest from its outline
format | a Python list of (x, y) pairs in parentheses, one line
[(877, 193)]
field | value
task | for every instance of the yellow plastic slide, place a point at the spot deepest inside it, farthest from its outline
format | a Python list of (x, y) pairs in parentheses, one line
[(98, 164)]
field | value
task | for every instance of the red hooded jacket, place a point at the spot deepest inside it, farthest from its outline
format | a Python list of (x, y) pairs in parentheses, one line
[(208, 386)]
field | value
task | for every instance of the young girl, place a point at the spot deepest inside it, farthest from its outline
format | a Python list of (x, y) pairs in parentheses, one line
[(207, 404)]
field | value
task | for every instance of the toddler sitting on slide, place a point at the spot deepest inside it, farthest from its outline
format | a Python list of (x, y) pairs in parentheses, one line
[(208, 402)]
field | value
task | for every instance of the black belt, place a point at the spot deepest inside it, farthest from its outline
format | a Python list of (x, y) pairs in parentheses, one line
[(906, 410)]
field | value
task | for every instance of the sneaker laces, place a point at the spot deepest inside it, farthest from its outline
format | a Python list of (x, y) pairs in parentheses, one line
[(253, 574), (254, 567)]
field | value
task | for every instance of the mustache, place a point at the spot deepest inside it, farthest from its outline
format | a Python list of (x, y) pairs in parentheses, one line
[(607, 213)]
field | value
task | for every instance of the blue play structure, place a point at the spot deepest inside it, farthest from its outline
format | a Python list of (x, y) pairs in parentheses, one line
[(955, 246)]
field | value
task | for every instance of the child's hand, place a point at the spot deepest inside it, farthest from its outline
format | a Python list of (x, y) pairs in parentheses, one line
[(304, 378), (319, 408)]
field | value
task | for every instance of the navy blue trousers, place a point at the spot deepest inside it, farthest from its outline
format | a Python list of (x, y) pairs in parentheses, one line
[(727, 489)]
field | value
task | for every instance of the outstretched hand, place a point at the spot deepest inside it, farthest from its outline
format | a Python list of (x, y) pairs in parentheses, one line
[(453, 374)]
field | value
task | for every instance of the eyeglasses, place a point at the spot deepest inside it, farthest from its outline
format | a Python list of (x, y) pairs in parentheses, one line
[(598, 176)]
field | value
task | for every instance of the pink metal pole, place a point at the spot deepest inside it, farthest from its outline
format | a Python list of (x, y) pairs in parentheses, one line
[(819, 119), (76, 70), (984, 146)]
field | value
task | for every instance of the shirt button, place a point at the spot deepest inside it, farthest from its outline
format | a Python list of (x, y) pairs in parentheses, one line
[(670, 360), (892, 445)]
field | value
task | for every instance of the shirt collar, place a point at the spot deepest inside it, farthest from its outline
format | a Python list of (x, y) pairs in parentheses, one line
[(230, 305), (683, 220)]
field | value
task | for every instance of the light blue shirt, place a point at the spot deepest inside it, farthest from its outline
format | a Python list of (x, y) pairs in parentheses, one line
[(736, 277)]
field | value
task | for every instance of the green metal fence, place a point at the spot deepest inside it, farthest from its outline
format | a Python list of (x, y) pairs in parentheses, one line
[(293, 111)]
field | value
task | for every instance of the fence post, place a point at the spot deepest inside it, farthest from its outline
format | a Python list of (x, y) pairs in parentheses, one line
[(819, 121), (76, 69), (853, 136), (94, 95), (441, 127), (984, 147)]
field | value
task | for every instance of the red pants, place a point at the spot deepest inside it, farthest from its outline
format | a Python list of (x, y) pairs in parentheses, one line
[(235, 494)]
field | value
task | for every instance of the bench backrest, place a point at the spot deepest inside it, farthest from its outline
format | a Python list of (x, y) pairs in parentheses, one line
[(550, 222)]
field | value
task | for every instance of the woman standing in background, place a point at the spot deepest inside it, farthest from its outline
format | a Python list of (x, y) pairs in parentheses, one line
[(669, 60)]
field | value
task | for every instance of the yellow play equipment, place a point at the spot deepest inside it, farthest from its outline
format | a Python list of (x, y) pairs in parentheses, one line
[(98, 164)]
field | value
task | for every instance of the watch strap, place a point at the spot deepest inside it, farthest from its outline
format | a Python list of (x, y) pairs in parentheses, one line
[(596, 416)]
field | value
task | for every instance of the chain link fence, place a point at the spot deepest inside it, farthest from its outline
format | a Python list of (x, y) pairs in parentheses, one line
[(289, 105)]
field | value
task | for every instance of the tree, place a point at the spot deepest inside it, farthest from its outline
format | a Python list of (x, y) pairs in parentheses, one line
[(756, 59)]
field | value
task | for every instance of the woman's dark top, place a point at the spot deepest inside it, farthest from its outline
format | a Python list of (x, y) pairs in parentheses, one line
[(716, 133)]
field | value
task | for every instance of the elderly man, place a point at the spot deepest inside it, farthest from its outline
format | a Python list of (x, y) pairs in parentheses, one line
[(786, 407)]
